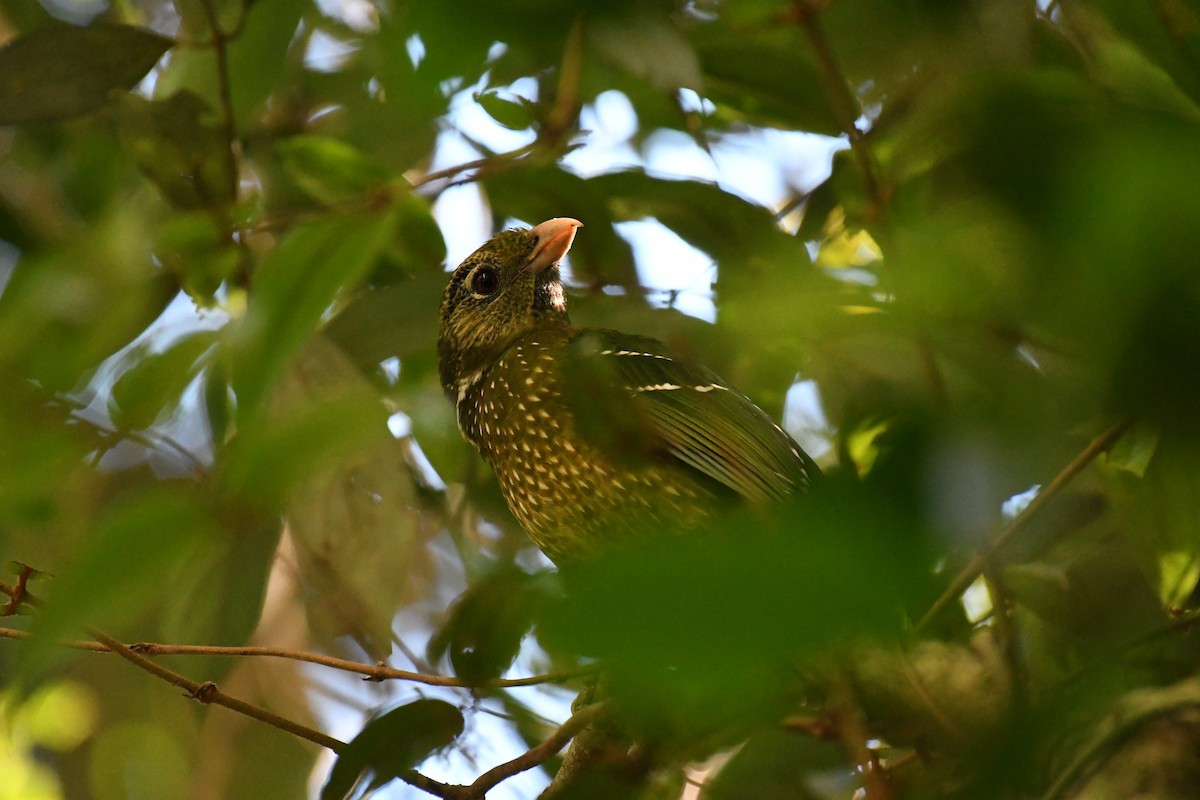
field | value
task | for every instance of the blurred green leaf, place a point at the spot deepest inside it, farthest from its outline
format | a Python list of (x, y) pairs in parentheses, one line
[(512, 114), (328, 169), (772, 83), (295, 287), (196, 247), (126, 565), (391, 744), (703, 630), (61, 71), (648, 45), (155, 382), (352, 514), (395, 320), (177, 145), (69, 307), (481, 636), (774, 765)]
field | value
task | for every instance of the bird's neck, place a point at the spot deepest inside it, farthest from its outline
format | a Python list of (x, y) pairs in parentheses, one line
[(459, 367)]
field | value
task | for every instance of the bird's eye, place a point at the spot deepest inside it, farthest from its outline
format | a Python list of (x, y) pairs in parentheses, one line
[(485, 281)]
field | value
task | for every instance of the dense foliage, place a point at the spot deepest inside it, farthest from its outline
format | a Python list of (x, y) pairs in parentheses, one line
[(223, 237)]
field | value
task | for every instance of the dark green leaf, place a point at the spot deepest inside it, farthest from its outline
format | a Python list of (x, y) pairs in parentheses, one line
[(153, 385), (512, 114), (482, 636), (774, 83), (774, 765), (395, 320), (328, 169), (61, 71), (126, 565), (176, 145), (352, 512), (391, 744)]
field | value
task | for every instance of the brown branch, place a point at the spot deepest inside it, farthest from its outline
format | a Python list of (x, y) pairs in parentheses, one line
[(975, 566), (490, 161), (18, 595), (220, 40), (566, 97), (209, 694), (534, 756), (374, 672), (841, 99)]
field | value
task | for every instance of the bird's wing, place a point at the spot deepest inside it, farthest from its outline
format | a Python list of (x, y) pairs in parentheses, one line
[(695, 417)]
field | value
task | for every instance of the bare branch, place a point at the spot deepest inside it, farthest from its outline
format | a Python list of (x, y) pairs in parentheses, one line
[(374, 672)]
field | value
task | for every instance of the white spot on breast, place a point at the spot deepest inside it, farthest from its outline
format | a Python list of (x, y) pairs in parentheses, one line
[(464, 384)]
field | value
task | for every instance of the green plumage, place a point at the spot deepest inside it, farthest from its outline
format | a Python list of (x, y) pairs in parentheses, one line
[(594, 433)]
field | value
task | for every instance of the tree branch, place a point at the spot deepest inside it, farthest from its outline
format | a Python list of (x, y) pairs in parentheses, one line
[(374, 672), (536, 755), (975, 566), (842, 100), (209, 694)]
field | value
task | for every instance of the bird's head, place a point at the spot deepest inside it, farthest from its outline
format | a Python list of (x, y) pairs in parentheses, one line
[(505, 289)]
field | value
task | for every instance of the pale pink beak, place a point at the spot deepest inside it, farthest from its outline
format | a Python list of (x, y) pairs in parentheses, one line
[(554, 238)]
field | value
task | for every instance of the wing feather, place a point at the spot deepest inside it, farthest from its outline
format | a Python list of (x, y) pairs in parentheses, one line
[(701, 421)]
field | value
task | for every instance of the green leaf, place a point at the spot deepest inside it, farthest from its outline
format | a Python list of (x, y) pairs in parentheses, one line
[(774, 83), (295, 287), (390, 745), (352, 511), (125, 566), (513, 114), (69, 307), (395, 320), (329, 170), (176, 145), (153, 385), (482, 636), (648, 45), (196, 247), (774, 765), (62, 71), (217, 597)]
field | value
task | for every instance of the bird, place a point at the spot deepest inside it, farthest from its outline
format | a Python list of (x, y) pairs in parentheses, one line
[(594, 434)]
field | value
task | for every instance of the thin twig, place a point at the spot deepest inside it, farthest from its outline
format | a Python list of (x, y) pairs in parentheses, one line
[(374, 672), (156, 441), (537, 754), (479, 163), (975, 566), (842, 100), (220, 41), (209, 694)]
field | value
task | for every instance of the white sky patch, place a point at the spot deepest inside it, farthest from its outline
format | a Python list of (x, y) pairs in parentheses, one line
[(665, 262), (977, 601), (610, 122), (327, 53), (1017, 503), (804, 418)]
